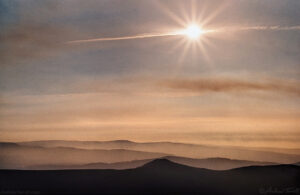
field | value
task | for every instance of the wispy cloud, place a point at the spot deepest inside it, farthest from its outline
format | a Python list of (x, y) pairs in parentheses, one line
[(29, 40), (27, 33), (254, 28), (231, 85), (142, 36)]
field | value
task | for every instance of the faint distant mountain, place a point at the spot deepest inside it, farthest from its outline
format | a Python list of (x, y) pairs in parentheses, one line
[(14, 156), (115, 144), (99, 165), (270, 149), (159, 176), (6, 144), (210, 163), (216, 163), (177, 149), (297, 163)]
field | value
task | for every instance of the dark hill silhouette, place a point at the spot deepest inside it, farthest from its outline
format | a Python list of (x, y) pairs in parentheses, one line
[(163, 163), (159, 176)]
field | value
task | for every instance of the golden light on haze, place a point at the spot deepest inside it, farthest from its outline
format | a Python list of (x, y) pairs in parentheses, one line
[(184, 78)]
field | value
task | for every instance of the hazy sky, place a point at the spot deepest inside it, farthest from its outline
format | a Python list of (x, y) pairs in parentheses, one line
[(237, 86)]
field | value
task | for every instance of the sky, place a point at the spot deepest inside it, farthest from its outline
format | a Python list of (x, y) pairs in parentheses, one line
[(236, 85)]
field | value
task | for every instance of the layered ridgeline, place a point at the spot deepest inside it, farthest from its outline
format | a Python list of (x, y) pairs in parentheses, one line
[(122, 154), (160, 176)]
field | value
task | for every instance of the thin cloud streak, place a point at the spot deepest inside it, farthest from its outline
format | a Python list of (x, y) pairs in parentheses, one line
[(142, 36), (181, 32), (254, 28), (229, 85)]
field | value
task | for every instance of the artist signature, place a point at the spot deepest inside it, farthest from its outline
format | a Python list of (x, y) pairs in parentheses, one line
[(277, 190)]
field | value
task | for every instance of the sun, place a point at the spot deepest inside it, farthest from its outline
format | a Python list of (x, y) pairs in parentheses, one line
[(193, 31)]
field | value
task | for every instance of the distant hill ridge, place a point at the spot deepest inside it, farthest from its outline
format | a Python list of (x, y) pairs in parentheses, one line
[(54, 158), (287, 156)]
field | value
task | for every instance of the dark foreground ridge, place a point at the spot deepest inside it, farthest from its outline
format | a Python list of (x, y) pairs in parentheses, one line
[(160, 176)]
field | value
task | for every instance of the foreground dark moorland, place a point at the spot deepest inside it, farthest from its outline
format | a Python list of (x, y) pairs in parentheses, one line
[(160, 176)]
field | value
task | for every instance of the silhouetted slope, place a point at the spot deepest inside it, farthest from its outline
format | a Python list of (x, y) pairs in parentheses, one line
[(158, 176), (163, 163)]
